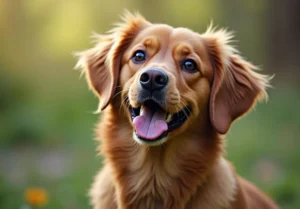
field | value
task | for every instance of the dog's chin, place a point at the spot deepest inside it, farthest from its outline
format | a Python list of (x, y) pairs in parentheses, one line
[(159, 141), (152, 124)]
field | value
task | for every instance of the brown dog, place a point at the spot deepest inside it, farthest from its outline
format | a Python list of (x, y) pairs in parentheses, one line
[(168, 96)]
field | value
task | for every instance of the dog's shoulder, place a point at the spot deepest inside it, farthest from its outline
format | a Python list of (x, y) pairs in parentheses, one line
[(102, 192), (250, 197)]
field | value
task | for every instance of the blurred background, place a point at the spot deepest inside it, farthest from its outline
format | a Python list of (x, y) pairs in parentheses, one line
[(46, 109)]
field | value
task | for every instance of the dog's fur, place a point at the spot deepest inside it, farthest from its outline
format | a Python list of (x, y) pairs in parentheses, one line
[(188, 169)]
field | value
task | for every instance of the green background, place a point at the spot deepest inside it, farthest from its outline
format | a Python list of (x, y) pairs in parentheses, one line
[(46, 109)]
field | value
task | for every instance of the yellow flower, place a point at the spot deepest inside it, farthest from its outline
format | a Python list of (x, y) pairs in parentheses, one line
[(36, 196)]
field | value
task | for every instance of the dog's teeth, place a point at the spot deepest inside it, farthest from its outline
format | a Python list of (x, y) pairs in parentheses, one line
[(169, 117), (142, 109)]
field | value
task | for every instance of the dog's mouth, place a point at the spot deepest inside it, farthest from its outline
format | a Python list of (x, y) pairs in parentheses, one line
[(153, 123)]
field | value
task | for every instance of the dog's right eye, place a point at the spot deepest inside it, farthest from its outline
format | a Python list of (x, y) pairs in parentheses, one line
[(139, 57), (190, 66)]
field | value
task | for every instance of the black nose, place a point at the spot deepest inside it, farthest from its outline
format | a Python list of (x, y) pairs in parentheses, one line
[(153, 79)]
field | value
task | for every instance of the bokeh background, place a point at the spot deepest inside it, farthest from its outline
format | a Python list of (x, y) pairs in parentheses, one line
[(46, 110)]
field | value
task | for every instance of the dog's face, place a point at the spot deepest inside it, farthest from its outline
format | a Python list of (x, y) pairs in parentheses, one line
[(165, 75), (171, 79)]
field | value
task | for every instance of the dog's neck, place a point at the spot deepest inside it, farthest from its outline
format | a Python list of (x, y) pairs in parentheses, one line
[(163, 176)]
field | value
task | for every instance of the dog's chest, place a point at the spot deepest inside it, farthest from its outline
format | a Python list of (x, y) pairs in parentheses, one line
[(150, 180), (152, 186)]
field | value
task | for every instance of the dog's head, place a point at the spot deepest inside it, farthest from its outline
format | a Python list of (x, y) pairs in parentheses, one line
[(171, 79)]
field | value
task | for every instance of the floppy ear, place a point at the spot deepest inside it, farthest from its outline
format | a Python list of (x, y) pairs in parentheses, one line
[(236, 86), (102, 63)]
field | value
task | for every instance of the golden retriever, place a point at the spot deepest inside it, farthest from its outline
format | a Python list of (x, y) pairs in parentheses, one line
[(168, 96)]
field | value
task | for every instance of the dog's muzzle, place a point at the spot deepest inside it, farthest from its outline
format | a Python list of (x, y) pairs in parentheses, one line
[(151, 120)]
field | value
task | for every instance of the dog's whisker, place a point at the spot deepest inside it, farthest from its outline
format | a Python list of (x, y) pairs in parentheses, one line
[(182, 106), (186, 105), (183, 95), (177, 111), (118, 93), (123, 102)]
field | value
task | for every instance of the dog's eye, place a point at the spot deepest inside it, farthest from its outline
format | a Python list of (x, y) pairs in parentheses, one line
[(139, 57), (190, 66)]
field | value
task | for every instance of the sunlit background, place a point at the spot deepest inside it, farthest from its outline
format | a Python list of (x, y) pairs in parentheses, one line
[(46, 109)]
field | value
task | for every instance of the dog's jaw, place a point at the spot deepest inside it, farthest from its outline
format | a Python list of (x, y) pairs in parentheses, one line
[(149, 143), (152, 124)]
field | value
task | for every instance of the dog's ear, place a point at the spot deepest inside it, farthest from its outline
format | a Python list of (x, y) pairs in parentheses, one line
[(236, 87), (102, 63)]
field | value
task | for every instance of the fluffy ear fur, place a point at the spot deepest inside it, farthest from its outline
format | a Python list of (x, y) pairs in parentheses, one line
[(236, 86), (102, 63)]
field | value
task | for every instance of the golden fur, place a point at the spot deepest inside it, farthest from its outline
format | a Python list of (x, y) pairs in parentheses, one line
[(188, 169)]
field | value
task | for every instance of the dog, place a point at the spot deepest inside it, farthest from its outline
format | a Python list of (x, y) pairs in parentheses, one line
[(168, 96)]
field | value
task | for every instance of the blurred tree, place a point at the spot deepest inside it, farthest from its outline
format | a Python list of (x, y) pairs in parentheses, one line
[(284, 37)]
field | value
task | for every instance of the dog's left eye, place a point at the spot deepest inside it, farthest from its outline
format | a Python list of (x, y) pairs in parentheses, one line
[(139, 57), (190, 66)]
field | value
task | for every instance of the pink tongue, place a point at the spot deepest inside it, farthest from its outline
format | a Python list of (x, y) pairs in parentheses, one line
[(150, 125)]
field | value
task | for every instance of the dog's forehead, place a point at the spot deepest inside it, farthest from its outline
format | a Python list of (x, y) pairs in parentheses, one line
[(168, 36)]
